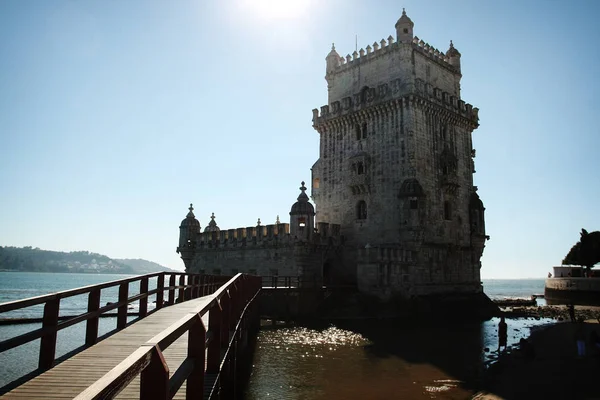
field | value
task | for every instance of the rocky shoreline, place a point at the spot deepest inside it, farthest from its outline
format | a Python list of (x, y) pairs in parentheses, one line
[(550, 367), (559, 313)]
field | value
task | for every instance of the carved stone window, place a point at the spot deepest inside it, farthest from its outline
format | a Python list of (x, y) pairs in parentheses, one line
[(360, 168), (414, 203), (364, 130), (361, 210), (447, 211), (357, 130)]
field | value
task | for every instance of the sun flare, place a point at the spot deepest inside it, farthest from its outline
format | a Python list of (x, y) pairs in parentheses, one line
[(277, 9)]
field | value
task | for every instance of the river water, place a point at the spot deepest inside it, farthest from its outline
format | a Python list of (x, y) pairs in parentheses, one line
[(382, 360)]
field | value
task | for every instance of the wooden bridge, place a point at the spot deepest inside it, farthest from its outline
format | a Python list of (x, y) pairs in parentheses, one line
[(191, 346)]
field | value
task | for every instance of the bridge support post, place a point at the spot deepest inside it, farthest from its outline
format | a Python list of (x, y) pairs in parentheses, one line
[(214, 345), (144, 301), (48, 342), (91, 329), (181, 289), (154, 379), (196, 351), (172, 290), (160, 295), (122, 310)]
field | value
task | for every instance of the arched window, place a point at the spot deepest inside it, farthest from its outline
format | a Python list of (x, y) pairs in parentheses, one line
[(361, 210), (360, 168), (357, 129), (364, 130), (447, 210)]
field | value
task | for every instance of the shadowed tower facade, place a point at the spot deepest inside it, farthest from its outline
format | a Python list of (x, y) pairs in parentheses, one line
[(395, 167)]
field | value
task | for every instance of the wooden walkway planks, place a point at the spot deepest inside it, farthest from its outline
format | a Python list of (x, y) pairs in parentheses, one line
[(69, 378)]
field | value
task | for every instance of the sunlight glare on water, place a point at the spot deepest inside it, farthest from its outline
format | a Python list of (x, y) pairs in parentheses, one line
[(379, 363)]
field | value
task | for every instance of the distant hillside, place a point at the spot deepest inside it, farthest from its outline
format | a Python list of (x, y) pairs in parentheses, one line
[(143, 266), (30, 259), (37, 260)]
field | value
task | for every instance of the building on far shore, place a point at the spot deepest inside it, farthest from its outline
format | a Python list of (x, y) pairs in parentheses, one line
[(396, 211), (573, 284)]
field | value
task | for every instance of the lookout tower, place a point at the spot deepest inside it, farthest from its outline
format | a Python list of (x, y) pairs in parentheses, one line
[(395, 166), (188, 233), (302, 217)]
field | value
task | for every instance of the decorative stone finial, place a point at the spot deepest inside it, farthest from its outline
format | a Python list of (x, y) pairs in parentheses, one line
[(451, 44), (212, 225), (302, 197), (190, 214), (332, 46), (258, 222), (403, 11), (277, 220)]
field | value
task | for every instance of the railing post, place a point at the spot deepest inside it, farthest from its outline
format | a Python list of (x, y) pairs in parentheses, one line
[(91, 329), (196, 288), (197, 352), (122, 310), (154, 379), (233, 308), (48, 342), (181, 288), (211, 286), (160, 295), (214, 345), (144, 300), (171, 290), (202, 285), (225, 318)]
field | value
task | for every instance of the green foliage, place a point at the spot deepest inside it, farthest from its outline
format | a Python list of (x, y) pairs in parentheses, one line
[(36, 260), (586, 252)]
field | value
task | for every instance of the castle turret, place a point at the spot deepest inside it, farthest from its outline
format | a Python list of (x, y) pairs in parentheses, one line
[(212, 225), (188, 232), (453, 56), (332, 59), (404, 29), (302, 217)]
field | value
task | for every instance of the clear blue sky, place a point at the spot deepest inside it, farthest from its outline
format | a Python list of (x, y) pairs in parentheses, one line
[(115, 115)]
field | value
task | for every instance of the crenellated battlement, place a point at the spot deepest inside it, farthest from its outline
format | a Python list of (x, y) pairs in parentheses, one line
[(397, 91), (384, 47), (275, 235), (431, 52)]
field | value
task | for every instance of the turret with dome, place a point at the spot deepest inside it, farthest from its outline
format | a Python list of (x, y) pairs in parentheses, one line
[(302, 216)]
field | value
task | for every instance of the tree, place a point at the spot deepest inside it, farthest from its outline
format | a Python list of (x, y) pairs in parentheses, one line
[(586, 252)]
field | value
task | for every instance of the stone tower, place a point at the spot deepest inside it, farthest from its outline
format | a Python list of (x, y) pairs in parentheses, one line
[(395, 167), (189, 229), (302, 217)]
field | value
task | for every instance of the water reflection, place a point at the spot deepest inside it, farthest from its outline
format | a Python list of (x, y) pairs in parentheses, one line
[(442, 360), (375, 361)]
